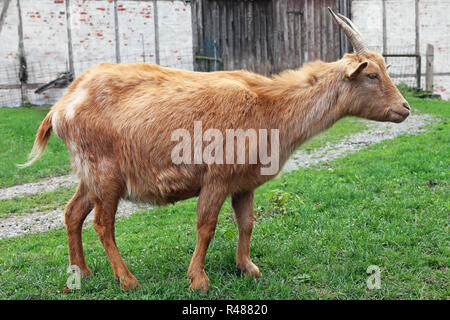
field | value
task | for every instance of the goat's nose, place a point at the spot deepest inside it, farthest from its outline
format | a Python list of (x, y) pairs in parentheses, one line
[(406, 105)]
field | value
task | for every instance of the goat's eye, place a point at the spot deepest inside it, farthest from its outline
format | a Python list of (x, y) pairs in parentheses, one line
[(373, 76)]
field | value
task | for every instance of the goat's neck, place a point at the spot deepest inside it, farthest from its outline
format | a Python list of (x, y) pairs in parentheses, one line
[(301, 111)]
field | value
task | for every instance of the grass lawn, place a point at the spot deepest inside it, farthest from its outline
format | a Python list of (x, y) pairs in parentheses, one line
[(18, 128), (317, 232)]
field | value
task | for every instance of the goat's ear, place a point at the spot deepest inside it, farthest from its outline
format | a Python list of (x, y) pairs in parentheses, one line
[(355, 72)]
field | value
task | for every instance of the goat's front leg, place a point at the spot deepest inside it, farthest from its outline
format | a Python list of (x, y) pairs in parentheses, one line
[(243, 209), (209, 203)]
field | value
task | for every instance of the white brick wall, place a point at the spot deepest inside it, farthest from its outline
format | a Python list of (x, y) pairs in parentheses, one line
[(9, 37), (44, 37), (138, 19), (93, 33), (176, 41), (92, 25)]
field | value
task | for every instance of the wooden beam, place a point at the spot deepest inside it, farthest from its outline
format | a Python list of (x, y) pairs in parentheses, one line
[(3, 13), (429, 78), (116, 32), (69, 38), (23, 82), (155, 19), (384, 27), (195, 34), (418, 61)]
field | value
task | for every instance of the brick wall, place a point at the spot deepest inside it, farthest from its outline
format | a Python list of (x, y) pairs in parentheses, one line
[(100, 31)]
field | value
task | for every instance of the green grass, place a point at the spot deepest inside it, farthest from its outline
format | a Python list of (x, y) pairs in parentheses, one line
[(437, 107), (18, 128), (318, 231), (38, 202)]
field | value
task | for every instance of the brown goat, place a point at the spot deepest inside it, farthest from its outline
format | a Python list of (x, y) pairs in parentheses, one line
[(117, 121)]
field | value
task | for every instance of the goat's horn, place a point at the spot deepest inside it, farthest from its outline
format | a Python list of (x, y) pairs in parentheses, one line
[(349, 22), (358, 42)]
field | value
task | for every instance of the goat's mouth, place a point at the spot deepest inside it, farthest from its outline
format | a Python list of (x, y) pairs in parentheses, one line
[(397, 116)]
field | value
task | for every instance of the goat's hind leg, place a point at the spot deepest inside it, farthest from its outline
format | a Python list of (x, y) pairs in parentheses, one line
[(76, 212), (105, 211)]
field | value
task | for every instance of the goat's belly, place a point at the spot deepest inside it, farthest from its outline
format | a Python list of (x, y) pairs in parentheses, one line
[(173, 197), (161, 191), (163, 199)]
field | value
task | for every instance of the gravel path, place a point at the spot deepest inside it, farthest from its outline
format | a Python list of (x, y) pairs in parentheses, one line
[(376, 132), (47, 185), (43, 221)]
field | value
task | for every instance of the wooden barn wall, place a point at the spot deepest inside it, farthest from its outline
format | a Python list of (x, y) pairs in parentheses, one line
[(268, 36)]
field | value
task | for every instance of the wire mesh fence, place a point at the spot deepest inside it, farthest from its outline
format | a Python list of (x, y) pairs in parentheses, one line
[(10, 97), (9, 73), (405, 65), (39, 72)]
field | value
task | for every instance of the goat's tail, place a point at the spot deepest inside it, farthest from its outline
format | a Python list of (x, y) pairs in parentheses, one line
[(40, 143)]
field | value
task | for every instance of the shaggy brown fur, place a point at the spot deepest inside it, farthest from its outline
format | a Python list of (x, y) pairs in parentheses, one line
[(117, 120)]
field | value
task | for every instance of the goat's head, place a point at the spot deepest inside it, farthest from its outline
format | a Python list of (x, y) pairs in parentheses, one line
[(367, 89)]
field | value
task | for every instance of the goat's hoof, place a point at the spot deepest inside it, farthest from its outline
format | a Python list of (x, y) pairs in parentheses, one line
[(86, 272), (200, 282), (249, 269), (128, 282)]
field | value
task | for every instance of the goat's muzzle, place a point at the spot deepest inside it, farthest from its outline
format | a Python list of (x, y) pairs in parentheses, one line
[(399, 113)]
